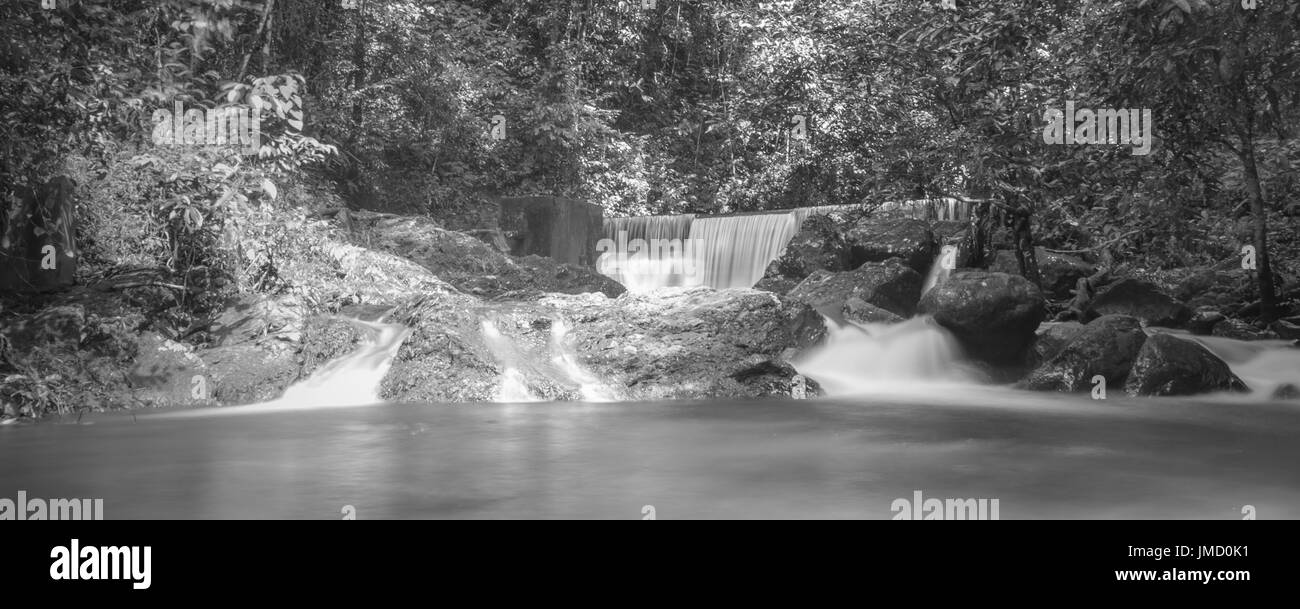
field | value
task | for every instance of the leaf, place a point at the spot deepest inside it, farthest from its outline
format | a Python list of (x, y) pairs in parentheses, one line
[(269, 188), (1183, 5)]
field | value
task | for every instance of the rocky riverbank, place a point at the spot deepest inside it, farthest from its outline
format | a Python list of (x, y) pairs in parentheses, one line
[(570, 333)]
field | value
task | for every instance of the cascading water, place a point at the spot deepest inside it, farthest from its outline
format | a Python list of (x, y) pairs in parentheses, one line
[(514, 386), (647, 270), (1263, 365), (734, 251), (914, 356), (352, 380), (941, 268), (565, 357)]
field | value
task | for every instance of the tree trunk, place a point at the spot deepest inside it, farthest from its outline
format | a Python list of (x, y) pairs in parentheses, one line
[(358, 71), (1267, 295), (1026, 257)]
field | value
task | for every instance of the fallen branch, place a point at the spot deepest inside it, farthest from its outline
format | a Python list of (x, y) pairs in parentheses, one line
[(1097, 247)]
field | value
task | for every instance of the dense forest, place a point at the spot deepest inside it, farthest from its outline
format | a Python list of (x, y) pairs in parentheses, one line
[(428, 107)]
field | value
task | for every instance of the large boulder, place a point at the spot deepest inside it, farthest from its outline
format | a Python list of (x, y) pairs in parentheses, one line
[(1052, 338), (1204, 320), (1060, 272), (994, 315), (696, 343), (472, 266), (860, 311), (873, 240), (1167, 365), (818, 246), (1107, 347), (889, 285), (1143, 300)]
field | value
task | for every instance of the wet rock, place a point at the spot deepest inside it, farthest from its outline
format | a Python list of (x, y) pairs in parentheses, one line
[(248, 318), (1286, 391), (1060, 272), (1107, 346), (680, 344), (247, 373), (818, 246), (889, 285), (1204, 320), (472, 266), (1053, 337), (1241, 330), (1286, 330), (860, 311), (873, 240), (1143, 300), (1167, 366), (994, 315)]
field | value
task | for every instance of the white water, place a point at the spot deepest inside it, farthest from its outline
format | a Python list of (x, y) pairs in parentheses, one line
[(916, 356), (646, 271), (513, 386), (941, 269), (565, 358), (352, 380), (735, 250), (1264, 365)]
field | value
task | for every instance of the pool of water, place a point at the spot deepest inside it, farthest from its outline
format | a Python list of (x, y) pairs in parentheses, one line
[(1040, 455)]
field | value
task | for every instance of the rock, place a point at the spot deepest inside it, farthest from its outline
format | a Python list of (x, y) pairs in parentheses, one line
[(873, 240), (818, 246), (369, 277), (473, 266), (1107, 347), (1286, 391), (1167, 365), (994, 315), (247, 318), (889, 285), (1143, 300), (953, 233), (680, 344), (1214, 287), (247, 373), (1060, 272), (1286, 329), (1241, 330), (860, 311), (1204, 320), (1052, 338), (168, 373)]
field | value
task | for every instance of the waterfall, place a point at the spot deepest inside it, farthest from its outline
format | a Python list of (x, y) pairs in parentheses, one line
[(730, 251), (734, 251), (912, 356), (941, 268), (352, 380), (647, 270), (565, 358), (513, 387)]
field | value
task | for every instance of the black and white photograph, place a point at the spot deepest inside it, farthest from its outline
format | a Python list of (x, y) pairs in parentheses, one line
[(349, 260)]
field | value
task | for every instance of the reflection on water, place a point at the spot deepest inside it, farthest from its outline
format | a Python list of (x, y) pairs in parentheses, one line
[(1042, 455)]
